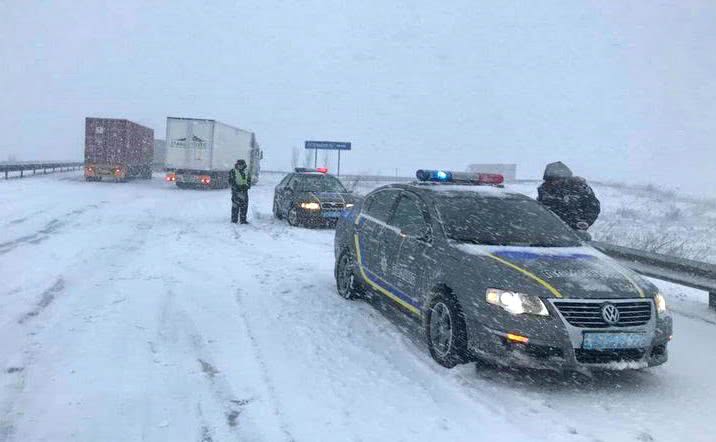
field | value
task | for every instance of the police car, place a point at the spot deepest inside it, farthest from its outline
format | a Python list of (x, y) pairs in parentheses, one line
[(493, 275), (311, 197)]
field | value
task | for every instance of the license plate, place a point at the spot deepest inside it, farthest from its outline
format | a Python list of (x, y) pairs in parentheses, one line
[(330, 214), (187, 178), (614, 341)]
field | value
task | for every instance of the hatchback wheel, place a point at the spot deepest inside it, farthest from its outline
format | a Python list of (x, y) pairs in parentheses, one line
[(446, 332)]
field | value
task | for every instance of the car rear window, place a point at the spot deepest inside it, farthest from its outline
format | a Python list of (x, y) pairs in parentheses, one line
[(503, 221)]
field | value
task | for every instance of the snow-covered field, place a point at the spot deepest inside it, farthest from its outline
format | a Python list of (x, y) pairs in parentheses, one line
[(136, 312)]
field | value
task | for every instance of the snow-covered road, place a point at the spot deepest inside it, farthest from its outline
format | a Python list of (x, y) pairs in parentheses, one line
[(135, 311)]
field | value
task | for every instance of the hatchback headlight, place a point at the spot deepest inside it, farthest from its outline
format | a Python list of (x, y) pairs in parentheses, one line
[(660, 302), (516, 303), (311, 206)]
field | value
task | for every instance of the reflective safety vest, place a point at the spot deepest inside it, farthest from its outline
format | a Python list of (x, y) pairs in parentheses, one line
[(241, 180)]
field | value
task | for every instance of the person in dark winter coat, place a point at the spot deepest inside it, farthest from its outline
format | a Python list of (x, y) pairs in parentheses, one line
[(568, 196), (240, 182)]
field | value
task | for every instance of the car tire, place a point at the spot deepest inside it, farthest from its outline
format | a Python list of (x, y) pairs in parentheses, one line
[(293, 217), (346, 283), (445, 331), (276, 210)]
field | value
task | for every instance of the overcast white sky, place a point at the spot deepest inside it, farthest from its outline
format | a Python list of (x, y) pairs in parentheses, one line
[(622, 90)]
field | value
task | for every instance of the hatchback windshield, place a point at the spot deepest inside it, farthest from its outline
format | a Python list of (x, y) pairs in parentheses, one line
[(502, 221), (320, 183)]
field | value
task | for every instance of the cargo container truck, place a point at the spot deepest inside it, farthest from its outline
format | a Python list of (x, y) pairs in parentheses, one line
[(117, 149), (200, 152)]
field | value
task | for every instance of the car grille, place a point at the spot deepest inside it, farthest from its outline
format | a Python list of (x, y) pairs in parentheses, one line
[(332, 206), (589, 314), (604, 357)]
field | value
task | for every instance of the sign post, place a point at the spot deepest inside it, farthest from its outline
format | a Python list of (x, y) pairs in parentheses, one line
[(328, 145)]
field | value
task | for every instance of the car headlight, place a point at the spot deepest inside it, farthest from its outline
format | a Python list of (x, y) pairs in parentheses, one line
[(516, 303), (660, 302), (349, 205), (311, 206)]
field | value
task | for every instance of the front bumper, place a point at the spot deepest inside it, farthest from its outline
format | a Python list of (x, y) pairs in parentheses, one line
[(322, 216), (554, 343)]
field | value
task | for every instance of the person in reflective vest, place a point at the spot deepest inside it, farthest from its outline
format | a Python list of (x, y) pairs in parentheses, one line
[(240, 182)]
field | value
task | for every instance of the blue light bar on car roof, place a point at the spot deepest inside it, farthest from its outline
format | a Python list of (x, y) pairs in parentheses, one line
[(446, 176)]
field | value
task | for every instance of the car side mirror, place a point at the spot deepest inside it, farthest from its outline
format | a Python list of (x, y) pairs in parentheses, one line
[(584, 235)]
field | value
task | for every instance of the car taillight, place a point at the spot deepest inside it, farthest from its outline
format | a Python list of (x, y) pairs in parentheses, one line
[(171, 177), (117, 172), (205, 179)]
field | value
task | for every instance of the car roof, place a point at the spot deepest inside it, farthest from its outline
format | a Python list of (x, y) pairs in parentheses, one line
[(436, 190), (312, 174)]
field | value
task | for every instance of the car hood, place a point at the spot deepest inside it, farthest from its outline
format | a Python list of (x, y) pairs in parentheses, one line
[(330, 197), (567, 272)]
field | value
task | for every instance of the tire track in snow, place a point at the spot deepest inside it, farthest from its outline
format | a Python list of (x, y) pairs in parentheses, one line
[(30, 345), (50, 228), (176, 324), (47, 297), (259, 358)]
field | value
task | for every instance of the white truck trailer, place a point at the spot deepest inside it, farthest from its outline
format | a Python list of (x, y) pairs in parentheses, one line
[(200, 153)]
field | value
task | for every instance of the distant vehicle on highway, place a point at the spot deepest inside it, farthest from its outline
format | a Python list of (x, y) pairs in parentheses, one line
[(200, 153), (117, 149), (493, 275), (311, 197)]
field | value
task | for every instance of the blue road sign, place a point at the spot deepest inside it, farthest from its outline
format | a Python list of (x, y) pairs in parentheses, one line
[(328, 145)]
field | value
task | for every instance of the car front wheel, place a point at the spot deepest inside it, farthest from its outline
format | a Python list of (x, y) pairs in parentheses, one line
[(293, 217), (345, 275), (446, 331)]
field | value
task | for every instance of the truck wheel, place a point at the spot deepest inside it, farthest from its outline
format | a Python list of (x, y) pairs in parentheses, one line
[(446, 331), (345, 276), (293, 217), (276, 210)]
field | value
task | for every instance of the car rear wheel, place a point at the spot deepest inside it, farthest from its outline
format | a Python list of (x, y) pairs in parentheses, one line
[(345, 276), (293, 217), (446, 331)]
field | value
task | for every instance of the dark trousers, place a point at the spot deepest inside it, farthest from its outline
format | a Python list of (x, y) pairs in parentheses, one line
[(239, 206)]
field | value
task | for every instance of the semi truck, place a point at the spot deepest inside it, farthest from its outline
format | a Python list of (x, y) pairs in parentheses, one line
[(117, 149), (201, 152)]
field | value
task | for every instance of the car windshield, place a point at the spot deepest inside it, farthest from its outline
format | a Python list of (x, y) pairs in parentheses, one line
[(320, 183), (502, 221)]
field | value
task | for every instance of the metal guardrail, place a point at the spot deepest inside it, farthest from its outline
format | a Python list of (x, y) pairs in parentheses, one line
[(44, 166), (694, 274)]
